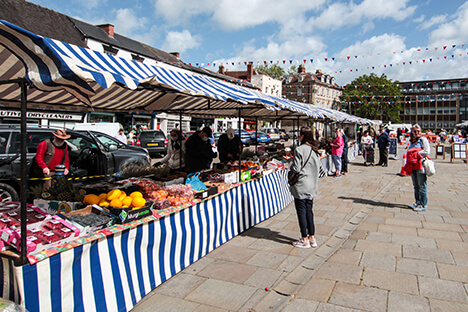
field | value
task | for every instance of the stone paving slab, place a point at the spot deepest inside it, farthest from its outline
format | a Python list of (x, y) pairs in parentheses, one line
[(220, 294), (396, 281), (398, 302), (359, 297), (442, 289)]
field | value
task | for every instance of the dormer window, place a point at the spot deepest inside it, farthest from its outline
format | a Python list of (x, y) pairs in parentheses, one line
[(137, 58), (110, 50)]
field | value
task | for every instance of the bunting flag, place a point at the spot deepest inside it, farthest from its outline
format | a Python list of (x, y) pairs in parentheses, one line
[(348, 57)]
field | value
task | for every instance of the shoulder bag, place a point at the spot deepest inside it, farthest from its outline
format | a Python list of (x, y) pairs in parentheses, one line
[(293, 176), (429, 166)]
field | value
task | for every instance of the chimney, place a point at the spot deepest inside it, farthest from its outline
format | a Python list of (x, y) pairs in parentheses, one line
[(301, 69), (108, 28), (176, 54), (221, 69), (249, 71)]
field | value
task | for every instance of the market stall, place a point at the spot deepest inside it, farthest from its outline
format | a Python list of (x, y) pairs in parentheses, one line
[(121, 263), (112, 269)]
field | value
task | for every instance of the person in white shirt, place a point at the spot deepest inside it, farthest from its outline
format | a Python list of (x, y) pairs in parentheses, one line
[(121, 136)]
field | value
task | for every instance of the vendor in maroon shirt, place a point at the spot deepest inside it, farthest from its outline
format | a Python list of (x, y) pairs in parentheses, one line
[(51, 153)]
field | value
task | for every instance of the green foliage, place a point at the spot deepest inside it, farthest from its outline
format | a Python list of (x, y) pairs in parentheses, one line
[(273, 70), (292, 70), (373, 97)]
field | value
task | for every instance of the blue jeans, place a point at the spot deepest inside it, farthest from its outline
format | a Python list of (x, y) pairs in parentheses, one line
[(305, 216), (337, 162), (420, 187)]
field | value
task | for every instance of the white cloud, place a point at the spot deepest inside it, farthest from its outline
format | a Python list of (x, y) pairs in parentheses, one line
[(180, 41), (126, 22), (234, 14), (453, 32), (338, 15), (419, 19), (90, 4), (435, 20), (179, 11), (368, 27)]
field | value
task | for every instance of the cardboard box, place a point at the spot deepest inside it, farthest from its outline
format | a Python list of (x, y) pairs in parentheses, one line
[(222, 186), (89, 210), (204, 194), (231, 177), (55, 206)]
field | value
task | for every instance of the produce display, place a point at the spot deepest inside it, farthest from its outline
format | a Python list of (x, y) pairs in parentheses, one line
[(42, 229), (146, 192)]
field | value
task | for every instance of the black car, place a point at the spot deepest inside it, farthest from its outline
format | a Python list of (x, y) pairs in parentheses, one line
[(154, 141), (88, 156), (108, 141)]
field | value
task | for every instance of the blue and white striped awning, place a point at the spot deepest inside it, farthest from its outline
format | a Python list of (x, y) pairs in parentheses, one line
[(108, 82)]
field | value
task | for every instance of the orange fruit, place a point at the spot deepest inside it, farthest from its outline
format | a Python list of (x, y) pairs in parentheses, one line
[(122, 195), (127, 201), (136, 194), (104, 203), (91, 199), (117, 203), (113, 194), (102, 196), (138, 202)]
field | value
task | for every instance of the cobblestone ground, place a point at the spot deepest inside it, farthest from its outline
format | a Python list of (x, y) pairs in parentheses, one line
[(374, 254)]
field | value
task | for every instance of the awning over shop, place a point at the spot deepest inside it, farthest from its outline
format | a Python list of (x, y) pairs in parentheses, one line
[(61, 73)]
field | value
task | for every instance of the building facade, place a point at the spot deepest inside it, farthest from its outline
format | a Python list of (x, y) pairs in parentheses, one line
[(318, 89), (435, 104)]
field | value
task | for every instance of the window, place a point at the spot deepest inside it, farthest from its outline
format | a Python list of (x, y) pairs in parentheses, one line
[(3, 141), (137, 58), (110, 50)]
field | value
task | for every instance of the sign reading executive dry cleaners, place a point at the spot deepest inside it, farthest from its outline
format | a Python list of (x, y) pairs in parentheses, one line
[(41, 115)]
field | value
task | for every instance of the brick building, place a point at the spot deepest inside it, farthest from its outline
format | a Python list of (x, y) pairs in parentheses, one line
[(318, 89)]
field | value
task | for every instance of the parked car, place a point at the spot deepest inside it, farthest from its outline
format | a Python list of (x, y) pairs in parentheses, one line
[(154, 141), (293, 134), (284, 135), (262, 137), (108, 140), (244, 136), (274, 133), (88, 156)]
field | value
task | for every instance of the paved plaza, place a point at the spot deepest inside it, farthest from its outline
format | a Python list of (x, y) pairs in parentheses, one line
[(374, 253)]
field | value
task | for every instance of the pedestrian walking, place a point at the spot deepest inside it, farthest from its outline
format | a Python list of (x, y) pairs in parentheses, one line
[(306, 162), (337, 151), (383, 142)]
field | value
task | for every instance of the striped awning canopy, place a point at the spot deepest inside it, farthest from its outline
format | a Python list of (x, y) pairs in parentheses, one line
[(62, 74)]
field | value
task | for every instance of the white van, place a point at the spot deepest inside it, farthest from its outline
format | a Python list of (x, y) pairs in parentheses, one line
[(109, 128)]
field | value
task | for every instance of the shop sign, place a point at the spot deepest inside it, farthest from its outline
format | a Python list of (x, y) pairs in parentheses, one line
[(41, 115)]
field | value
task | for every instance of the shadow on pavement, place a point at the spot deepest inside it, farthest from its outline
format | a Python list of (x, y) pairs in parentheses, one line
[(374, 203), (268, 234)]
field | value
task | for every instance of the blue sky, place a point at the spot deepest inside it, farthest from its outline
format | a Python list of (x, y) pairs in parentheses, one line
[(405, 39)]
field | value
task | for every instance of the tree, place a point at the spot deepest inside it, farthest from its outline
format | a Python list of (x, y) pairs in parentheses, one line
[(292, 70), (273, 70), (373, 97)]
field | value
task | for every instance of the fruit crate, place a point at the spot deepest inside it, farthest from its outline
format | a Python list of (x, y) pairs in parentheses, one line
[(130, 214)]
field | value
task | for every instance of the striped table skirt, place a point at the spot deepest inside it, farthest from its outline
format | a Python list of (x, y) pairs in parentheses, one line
[(115, 272)]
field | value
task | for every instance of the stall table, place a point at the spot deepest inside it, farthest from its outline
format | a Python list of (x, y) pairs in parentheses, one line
[(115, 270)]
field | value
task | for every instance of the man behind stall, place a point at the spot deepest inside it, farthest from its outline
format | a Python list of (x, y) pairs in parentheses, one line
[(229, 146), (199, 152)]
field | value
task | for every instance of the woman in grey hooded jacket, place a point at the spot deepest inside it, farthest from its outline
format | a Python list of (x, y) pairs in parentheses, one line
[(306, 162)]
